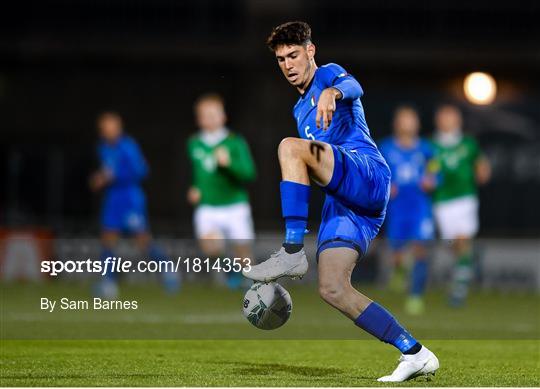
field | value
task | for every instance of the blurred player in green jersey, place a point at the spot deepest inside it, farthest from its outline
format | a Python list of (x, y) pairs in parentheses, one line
[(222, 165), (463, 168)]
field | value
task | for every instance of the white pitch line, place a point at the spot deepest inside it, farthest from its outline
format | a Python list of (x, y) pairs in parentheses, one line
[(227, 318)]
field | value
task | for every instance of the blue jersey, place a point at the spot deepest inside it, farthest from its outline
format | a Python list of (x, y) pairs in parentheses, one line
[(357, 194), (124, 204), (348, 128), (409, 216), (409, 167), (124, 161)]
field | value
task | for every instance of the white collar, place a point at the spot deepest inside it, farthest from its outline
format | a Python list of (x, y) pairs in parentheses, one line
[(213, 138), (449, 139)]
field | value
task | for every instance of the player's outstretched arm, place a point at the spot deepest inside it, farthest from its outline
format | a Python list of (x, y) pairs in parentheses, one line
[(339, 86), (333, 75)]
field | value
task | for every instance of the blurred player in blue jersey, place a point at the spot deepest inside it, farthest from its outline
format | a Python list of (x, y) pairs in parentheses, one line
[(409, 221), (123, 168), (336, 152)]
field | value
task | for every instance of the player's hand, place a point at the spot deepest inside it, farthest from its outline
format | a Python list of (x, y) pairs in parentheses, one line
[(393, 191), (98, 180), (483, 171), (428, 183), (193, 195), (326, 106), (223, 157)]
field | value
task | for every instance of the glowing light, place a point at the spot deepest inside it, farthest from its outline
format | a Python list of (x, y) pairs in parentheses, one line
[(480, 88)]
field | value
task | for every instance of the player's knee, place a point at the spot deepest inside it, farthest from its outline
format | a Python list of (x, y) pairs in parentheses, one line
[(332, 293), (288, 148), (212, 244), (462, 245)]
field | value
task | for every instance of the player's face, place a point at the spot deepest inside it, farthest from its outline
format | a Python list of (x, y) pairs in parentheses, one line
[(210, 115), (110, 128), (296, 63), (448, 119), (406, 123)]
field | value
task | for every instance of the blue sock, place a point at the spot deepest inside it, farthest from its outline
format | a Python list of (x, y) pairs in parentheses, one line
[(295, 229), (294, 208), (381, 324), (419, 277), (106, 253)]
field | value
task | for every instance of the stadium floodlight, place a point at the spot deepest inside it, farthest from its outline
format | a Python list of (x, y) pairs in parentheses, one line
[(480, 88)]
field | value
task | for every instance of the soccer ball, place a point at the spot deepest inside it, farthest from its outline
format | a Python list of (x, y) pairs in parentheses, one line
[(267, 305)]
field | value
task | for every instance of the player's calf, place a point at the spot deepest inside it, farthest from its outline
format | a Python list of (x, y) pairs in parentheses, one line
[(335, 281)]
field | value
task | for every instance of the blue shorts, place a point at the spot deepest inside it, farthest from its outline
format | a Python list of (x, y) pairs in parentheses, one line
[(125, 211), (356, 200), (403, 228)]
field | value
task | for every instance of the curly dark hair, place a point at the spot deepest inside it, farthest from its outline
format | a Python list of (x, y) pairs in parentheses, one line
[(290, 33)]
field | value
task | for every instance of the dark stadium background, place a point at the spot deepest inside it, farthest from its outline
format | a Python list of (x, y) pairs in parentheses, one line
[(62, 62)]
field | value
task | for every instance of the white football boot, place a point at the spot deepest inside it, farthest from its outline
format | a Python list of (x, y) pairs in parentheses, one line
[(423, 363), (280, 264)]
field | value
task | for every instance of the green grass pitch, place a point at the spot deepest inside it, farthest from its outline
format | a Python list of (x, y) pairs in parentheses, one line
[(199, 338), (257, 363)]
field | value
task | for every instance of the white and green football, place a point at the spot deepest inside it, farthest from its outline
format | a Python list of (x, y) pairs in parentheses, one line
[(267, 305)]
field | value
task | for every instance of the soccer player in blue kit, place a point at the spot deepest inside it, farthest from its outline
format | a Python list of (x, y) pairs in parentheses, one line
[(409, 220), (122, 170), (336, 151)]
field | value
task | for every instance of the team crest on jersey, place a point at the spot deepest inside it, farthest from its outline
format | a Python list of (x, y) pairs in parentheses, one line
[(208, 161)]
